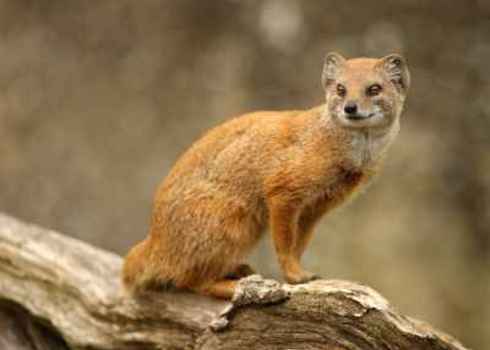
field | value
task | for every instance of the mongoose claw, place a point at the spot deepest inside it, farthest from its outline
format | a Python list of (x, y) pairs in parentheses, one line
[(255, 289)]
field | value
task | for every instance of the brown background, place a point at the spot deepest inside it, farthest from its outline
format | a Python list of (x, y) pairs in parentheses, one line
[(98, 99)]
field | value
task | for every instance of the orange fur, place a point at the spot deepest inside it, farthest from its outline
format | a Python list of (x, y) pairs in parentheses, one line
[(285, 169)]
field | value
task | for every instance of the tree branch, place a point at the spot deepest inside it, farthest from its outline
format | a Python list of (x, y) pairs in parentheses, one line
[(72, 288)]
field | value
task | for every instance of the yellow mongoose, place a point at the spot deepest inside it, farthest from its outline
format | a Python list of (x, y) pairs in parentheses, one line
[(283, 169)]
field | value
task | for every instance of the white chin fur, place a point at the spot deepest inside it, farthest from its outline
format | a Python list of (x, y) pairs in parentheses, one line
[(377, 119)]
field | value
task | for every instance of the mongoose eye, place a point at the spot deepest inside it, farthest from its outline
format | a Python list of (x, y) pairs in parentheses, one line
[(374, 90), (341, 90)]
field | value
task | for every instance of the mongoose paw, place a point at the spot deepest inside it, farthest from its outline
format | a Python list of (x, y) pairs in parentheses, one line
[(255, 289), (301, 277), (241, 271)]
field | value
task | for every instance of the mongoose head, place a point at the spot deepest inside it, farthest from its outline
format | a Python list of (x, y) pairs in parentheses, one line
[(365, 93)]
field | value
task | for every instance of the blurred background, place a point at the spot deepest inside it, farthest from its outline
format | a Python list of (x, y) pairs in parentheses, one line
[(99, 98)]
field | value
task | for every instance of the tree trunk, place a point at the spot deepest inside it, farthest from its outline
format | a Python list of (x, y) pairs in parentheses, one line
[(57, 293)]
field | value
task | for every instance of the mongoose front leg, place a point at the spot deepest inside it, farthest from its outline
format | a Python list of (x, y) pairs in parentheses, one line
[(305, 233), (284, 227), (306, 225)]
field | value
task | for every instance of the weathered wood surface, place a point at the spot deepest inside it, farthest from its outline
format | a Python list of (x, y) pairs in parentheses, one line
[(56, 291)]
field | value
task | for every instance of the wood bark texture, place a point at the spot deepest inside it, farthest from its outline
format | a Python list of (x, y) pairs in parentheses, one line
[(60, 293)]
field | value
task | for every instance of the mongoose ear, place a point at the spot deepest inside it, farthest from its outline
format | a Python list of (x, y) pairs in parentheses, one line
[(395, 67), (331, 68)]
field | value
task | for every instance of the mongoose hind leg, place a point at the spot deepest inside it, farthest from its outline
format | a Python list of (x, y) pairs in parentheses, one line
[(242, 270), (222, 289)]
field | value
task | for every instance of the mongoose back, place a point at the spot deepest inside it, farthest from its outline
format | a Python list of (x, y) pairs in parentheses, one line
[(277, 169)]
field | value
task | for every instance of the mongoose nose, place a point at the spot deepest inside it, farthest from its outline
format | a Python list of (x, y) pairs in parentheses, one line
[(350, 108)]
